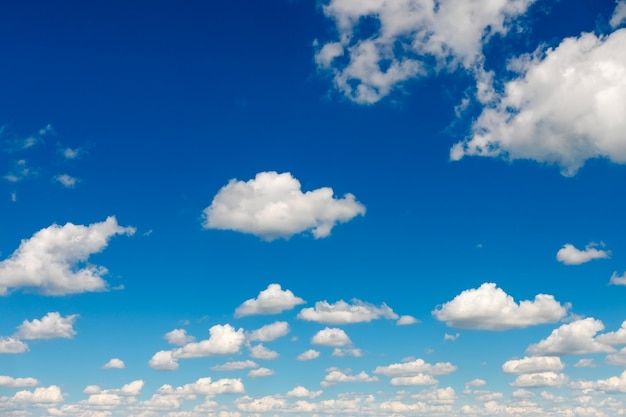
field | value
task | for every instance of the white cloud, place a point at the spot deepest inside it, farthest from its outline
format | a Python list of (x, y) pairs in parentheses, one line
[(7, 381), (114, 363), (476, 383), (614, 338), (223, 340), (585, 363), (570, 255), (617, 358), (270, 332), (335, 376), (231, 366), (52, 261), (302, 392), (69, 153), (612, 384), (51, 394), (178, 337), (12, 345), (261, 352), (408, 34), (576, 338), (617, 279), (436, 396), (308, 355), (565, 107), (332, 337), (66, 180), (163, 361), (51, 326), (535, 364), (619, 15), (523, 393), (541, 379), (205, 386), (407, 320), (341, 352), (490, 308), (273, 206), (450, 337), (345, 313), (272, 300), (415, 367), (419, 379), (261, 372)]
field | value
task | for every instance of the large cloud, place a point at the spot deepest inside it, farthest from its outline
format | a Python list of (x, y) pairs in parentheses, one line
[(52, 261), (575, 338), (272, 300), (408, 37), (566, 106), (273, 206), (490, 308), (344, 313), (51, 326)]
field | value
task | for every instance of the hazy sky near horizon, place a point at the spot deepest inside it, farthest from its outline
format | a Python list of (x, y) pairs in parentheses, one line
[(313, 208)]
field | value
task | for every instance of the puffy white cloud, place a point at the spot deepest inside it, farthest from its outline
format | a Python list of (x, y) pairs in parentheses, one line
[(302, 392), (414, 368), (231, 366), (335, 376), (419, 379), (51, 326), (270, 332), (406, 320), (490, 308), (261, 352), (332, 337), (260, 372), (308, 355), (523, 393), (51, 394), (178, 337), (66, 180), (341, 352), (612, 384), (223, 340), (565, 107), (133, 388), (114, 363), (575, 338), (541, 379), (614, 338), (12, 345), (344, 313), (407, 37), (617, 279), (436, 396), (534, 364), (7, 381), (272, 300), (619, 15), (617, 358), (163, 361), (273, 206), (205, 386), (570, 255), (53, 260)]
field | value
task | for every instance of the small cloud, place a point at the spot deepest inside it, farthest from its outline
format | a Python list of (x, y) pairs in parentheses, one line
[(345, 313), (272, 300), (13, 196), (308, 355), (66, 180), (178, 337), (302, 392), (69, 153), (51, 326), (332, 337), (450, 337), (114, 363), (7, 381), (261, 352), (341, 352), (570, 255), (406, 320), (12, 345), (585, 363), (233, 366), (618, 279), (261, 372)]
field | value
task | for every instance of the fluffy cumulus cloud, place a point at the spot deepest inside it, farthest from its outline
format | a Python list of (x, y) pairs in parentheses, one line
[(54, 260), (261, 352), (273, 206), (302, 392), (178, 337), (614, 384), (114, 363), (414, 368), (570, 255), (332, 337), (43, 395), (163, 360), (270, 332), (260, 372), (534, 364), (7, 381), (614, 338), (490, 308), (308, 355), (344, 313), (205, 386), (540, 379), (419, 379), (272, 300), (565, 106), (406, 320), (51, 326), (335, 376), (12, 345), (575, 338), (383, 43), (231, 366)]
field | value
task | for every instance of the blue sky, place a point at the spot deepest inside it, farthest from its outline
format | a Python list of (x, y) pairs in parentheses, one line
[(381, 208)]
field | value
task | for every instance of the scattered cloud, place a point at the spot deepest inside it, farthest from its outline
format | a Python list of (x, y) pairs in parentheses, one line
[(272, 206), (51, 326), (270, 332), (618, 279), (12, 345), (114, 363), (53, 260), (223, 340), (178, 337), (335, 376), (414, 368), (614, 384), (308, 355), (69, 153), (341, 352), (345, 313), (205, 386), (332, 337), (261, 352), (272, 300), (302, 392), (406, 320), (232, 366), (419, 379), (541, 379), (21, 171), (535, 364), (575, 338), (47, 395), (163, 361), (450, 337), (260, 372), (490, 308), (569, 255), (585, 363), (619, 15), (565, 106), (10, 382), (614, 338), (66, 180)]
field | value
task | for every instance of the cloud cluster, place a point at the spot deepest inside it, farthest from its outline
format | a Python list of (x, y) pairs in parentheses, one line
[(273, 206), (53, 260), (490, 308), (272, 300), (51, 326)]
